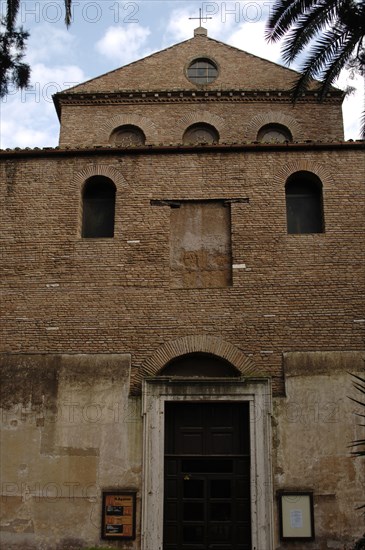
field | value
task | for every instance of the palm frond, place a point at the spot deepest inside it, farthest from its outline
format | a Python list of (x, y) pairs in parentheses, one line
[(307, 27), (358, 444), (328, 56), (338, 62), (360, 378), (68, 13), (284, 15), (12, 9), (333, 31)]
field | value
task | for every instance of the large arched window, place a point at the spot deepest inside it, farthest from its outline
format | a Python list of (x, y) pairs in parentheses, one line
[(98, 206), (304, 209), (200, 133)]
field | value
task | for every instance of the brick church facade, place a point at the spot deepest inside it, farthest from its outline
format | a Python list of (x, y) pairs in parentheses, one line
[(182, 306)]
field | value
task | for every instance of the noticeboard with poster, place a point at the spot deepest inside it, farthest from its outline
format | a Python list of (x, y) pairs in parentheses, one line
[(296, 515), (119, 515)]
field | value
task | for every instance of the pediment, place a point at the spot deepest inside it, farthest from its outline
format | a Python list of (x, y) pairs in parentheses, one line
[(167, 70)]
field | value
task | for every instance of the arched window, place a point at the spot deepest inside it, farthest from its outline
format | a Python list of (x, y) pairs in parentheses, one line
[(199, 364), (200, 133), (304, 211), (127, 135), (274, 133), (98, 206)]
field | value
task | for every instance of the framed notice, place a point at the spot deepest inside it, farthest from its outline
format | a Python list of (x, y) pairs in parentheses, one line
[(296, 515), (119, 515)]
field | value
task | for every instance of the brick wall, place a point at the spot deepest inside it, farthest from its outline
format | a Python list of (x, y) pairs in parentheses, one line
[(65, 294), (247, 93), (86, 125)]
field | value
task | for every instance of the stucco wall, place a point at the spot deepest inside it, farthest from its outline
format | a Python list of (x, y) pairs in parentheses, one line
[(314, 426), (69, 431)]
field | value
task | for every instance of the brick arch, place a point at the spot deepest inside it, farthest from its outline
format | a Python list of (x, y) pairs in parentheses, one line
[(100, 170), (193, 344), (301, 165), (194, 118), (273, 117), (144, 123)]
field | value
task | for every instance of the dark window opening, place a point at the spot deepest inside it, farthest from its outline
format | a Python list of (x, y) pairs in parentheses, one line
[(199, 364), (98, 208), (304, 206)]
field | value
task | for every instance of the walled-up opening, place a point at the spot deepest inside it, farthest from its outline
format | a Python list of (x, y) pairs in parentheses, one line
[(274, 133), (98, 208), (200, 245), (200, 133), (127, 135), (304, 204), (199, 364)]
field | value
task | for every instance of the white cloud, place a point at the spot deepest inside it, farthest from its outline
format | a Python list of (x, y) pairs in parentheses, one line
[(47, 43), (353, 105), (124, 45), (28, 117), (250, 37), (180, 27)]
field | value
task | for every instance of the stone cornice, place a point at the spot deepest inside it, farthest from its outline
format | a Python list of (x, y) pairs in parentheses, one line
[(186, 96), (107, 151)]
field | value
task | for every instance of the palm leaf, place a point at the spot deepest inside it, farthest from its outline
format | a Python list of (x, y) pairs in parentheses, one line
[(305, 30), (286, 13), (12, 9), (358, 444), (68, 13)]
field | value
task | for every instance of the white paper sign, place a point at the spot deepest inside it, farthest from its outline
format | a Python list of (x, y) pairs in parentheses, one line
[(296, 519)]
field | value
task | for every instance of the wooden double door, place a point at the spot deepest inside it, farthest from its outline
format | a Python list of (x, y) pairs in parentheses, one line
[(207, 476)]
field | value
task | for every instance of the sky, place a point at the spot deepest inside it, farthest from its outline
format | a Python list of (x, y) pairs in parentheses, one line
[(106, 34)]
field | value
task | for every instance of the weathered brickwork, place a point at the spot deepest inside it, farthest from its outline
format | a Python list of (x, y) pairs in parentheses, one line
[(88, 323), (88, 125), (163, 70), (65, 293), (237, 103)]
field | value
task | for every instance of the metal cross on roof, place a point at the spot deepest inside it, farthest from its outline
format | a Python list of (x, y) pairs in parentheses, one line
[(200, 17)]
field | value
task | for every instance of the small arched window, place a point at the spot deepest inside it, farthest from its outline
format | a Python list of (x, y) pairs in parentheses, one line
[(98, 207), (274, 133), (199, 364), (200, 133), (304, 209), (127, 135)]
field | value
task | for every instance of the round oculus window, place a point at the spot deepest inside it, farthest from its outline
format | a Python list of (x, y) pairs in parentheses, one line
[(202, 71)]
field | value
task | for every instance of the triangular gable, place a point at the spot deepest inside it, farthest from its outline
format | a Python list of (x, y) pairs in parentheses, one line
[(166, 70)]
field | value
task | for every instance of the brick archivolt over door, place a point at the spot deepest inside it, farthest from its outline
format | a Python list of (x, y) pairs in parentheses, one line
[(243, 362)]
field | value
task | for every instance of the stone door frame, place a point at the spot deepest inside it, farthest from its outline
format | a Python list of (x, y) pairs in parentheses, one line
[(155, 392)]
